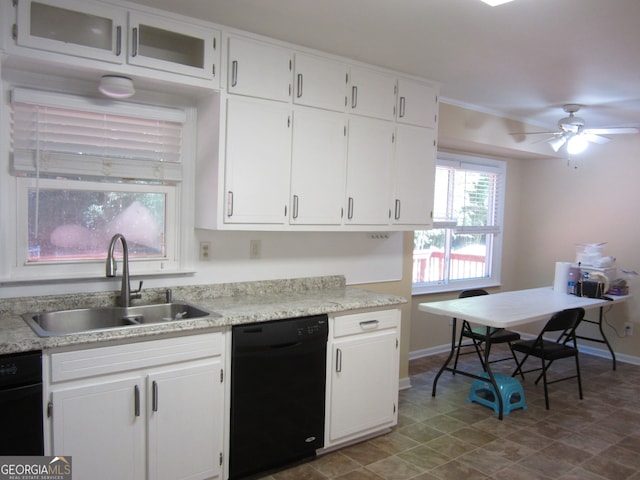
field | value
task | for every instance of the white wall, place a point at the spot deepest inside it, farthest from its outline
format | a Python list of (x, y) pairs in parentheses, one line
[(589, 199), (361, 257)]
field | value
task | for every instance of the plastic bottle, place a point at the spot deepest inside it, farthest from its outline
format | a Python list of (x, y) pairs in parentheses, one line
[(571, 283)]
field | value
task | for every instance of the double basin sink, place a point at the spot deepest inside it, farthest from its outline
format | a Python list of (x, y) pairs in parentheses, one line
[(64, 322)]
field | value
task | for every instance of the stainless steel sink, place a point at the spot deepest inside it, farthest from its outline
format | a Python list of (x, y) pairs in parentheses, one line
[(63, 322)]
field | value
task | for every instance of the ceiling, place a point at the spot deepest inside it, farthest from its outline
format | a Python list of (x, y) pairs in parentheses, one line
[(521, 60)]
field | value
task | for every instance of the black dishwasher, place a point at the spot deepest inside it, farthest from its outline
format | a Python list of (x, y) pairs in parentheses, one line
[(278, 378), (21, 404)]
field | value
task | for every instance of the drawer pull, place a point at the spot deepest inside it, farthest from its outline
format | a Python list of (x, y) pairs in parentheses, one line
[(338, 360), (369, 324)]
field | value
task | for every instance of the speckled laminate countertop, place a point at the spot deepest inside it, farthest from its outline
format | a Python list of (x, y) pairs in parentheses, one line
[(236, 303)]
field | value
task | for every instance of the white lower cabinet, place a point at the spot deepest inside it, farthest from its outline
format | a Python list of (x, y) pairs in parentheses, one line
[(146, 410), (362, 389)]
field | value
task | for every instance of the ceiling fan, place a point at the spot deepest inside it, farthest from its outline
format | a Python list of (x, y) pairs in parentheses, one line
[(572, 132)]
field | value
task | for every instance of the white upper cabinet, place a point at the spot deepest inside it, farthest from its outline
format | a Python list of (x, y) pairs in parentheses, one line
[(98, 31), (320, 82), (258, 159), (259, 69), (417, 103), (372, 93), (173, 46), (318, 166), (370, 152), (414, 176), (82, 28)]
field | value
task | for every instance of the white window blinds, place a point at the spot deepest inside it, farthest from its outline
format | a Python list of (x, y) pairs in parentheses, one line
[(468, 196), (60, 134)]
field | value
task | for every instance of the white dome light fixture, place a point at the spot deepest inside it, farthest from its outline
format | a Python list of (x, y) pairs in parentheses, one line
[(116, 86)]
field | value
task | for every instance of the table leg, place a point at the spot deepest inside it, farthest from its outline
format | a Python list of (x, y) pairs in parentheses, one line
[(487, 367), (602, 334), (604, 337), (448, 360)]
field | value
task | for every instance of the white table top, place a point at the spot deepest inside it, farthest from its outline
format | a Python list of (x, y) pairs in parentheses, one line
[(509, 309)]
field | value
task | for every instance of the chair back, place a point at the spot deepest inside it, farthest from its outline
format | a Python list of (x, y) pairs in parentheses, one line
[(473, 293), (565, 321)]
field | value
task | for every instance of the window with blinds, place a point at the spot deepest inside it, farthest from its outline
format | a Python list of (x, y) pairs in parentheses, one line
[(87, 169), (58, 134), (463, 250)]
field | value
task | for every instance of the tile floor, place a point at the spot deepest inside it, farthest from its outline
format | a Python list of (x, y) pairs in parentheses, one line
[(446, 437)]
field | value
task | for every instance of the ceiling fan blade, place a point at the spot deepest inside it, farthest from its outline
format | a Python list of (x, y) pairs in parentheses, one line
[(557, 142), (590, 136), (533, 133), (611, 131)]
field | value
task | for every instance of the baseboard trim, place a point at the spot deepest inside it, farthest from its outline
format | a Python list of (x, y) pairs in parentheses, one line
[(587, 350)]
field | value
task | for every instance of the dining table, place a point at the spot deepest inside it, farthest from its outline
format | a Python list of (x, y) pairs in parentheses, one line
[(509, 310)]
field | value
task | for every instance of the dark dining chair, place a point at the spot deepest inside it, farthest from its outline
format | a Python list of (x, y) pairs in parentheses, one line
[(548, 350), (481, 338)]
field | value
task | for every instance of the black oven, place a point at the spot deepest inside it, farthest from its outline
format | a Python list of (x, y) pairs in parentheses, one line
[(21, 404)]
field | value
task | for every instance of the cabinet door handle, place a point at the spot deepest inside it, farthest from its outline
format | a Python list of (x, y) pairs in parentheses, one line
[(369, 324), (350, 208), (154, 394), (234, 73), (134, 42), (402, 105), (299, 94), (229, 204), (354, 97), (295, 206), (118, 40), (136, 401), (397, 212), (338, 360)]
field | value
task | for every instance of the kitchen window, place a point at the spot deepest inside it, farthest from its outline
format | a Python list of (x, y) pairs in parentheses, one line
[(85, 169), (463, 250)]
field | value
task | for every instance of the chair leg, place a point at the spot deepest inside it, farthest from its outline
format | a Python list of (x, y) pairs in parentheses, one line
[(478, 348), (455, 363), (579, 379), (519, 365), (544, 381)]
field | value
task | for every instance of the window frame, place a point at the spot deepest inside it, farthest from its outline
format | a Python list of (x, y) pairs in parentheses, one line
[(87, 267), (14, 201), (495, 253)]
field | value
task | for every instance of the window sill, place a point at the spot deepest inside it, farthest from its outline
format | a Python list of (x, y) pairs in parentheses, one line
[(454, 287), (17, 280)]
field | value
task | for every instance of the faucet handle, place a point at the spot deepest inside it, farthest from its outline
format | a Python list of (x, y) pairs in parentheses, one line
[(139, 288)]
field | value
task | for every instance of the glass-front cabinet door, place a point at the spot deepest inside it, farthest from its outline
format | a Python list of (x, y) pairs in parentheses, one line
[(81, 28), (173, 46)]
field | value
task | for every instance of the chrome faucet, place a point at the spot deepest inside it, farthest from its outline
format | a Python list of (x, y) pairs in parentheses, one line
[(126, 295)]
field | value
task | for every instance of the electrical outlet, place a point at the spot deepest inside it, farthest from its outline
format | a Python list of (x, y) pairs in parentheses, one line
[(255, 249), (628, 329), (204, 250)]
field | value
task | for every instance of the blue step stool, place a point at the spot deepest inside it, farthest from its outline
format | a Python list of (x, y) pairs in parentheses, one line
[(511, 390)]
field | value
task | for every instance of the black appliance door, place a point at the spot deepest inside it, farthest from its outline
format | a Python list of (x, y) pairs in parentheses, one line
[(278, 378), (21, 420)]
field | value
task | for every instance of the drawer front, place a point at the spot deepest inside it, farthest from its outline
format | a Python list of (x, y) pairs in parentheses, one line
[(365, 322), (133, 356)]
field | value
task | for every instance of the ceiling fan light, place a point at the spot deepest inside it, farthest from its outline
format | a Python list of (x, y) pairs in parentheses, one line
[(577, 144), (495, 3)]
